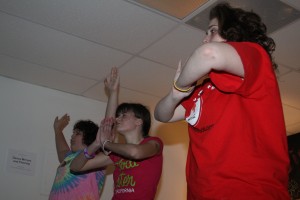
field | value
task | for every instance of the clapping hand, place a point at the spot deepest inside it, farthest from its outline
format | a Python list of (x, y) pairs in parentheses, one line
[(106, 131), (177, 93), (61, 123)]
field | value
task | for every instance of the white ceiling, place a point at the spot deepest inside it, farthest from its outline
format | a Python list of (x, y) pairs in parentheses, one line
[(71, 45)]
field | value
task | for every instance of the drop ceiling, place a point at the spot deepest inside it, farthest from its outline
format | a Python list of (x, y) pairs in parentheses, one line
[(70, 46)]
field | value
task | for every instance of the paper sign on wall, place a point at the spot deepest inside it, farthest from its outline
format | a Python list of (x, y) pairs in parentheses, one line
[(21, 162)]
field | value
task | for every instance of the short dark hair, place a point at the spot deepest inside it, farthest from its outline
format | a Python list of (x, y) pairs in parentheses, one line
[(238, 25), (140, 111), (89, 130)]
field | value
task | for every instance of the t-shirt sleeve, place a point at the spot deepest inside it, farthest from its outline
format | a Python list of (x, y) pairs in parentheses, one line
[(113, 157), (157, 139)]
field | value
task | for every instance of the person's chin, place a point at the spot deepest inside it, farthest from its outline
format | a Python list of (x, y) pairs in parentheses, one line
[(118, 129), (73, 149)]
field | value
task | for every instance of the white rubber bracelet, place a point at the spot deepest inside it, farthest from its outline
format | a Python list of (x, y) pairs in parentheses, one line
[(103, 148)]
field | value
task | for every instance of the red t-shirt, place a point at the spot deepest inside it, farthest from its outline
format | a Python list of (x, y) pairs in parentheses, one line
[(238, 147), (137, 180)]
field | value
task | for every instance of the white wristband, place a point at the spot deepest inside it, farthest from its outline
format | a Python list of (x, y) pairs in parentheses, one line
[(103, 148)]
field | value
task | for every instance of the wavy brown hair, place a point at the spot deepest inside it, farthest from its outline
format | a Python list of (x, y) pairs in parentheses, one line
[(140, 111), (238, 25)]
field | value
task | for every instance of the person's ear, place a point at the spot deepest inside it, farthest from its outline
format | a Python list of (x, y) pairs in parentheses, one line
[(139, 122)]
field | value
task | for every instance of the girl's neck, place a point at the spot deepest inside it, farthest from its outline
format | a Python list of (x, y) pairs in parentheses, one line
[(134, 139)]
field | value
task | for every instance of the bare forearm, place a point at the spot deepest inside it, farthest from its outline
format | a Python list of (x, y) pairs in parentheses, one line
[(80, 161), (129, 151), (112, 84), (112, 104), (61, 145), (165, 108)]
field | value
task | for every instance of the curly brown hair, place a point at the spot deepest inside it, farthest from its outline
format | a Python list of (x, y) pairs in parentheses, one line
[(89, 130), (238, 25)]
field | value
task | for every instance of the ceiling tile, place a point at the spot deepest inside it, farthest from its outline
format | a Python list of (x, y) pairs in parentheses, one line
[(292, 117), (171, 6), (118, 24), (126, 95), (34, 74), (282, 70), (274, 13), (289, 89), (295, 4), (131, 96), (147, 77), (48, 47), (96, 92), (292, 129), (178, 44), (287, 49)]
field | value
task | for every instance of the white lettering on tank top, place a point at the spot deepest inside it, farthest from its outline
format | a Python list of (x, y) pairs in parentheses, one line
[(195, 113)]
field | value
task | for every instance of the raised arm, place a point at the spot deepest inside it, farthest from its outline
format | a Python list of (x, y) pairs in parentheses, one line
[(112, 85), (168, 108), (62, 146), (217, 56)]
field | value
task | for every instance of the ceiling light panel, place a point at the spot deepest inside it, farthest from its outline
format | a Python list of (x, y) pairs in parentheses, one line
[(176, 8), (274, 13)]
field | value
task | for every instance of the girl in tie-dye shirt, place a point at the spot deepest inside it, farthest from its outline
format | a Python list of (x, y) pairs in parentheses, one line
[(76, 186)]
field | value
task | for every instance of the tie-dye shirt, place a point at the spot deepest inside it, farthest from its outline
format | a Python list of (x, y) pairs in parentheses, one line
[(84, 186)]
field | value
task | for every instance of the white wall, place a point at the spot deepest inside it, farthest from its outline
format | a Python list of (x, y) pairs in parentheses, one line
[(26, 118)]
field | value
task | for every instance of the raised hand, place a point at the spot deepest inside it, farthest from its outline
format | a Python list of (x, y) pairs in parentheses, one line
[(62, 146), (178, 71), (106, 128), (176, 92), (112, 82), (61, 123), (105, 132)]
